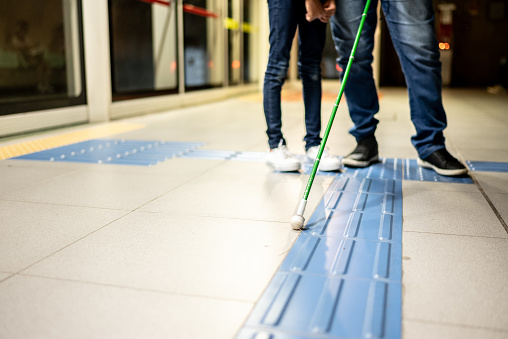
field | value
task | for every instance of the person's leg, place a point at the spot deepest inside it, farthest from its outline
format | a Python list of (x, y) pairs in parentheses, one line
[(411, 26), (312, 42), (283, 22), (312, 36), (360, 90), (282, 17)]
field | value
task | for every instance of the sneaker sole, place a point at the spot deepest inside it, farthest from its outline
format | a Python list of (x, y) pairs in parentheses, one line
[(357, 163), (284, 168), (326, 167), (445, 172), (329, 168)]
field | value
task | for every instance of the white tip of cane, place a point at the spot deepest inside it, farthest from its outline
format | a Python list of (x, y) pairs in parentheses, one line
[(297, 221)]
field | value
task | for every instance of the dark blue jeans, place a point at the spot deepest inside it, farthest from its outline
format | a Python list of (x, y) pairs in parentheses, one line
[(284, 17), (411, 27)]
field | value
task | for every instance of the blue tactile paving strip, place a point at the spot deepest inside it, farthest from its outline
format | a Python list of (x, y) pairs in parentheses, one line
[(118, 152), (486, 166), (250, 156), (210, 154), (415, 172), (148, 153), (142, 153), (342, 277), (386, 168)]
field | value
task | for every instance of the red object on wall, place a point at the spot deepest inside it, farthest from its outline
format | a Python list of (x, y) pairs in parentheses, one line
[(186, 8)]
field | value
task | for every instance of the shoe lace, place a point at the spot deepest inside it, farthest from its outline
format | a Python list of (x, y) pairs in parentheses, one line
[(447, 159), (285, 152), (325, 153), (282, 151), (442, 155)]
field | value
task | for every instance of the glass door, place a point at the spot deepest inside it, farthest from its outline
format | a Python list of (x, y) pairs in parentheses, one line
[(41, 55)]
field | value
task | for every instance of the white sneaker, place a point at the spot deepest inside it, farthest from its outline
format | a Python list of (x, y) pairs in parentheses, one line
[(282, 160), (327, 162)]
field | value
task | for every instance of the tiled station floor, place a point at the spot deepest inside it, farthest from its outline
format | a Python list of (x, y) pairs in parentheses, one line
[(183, 231)]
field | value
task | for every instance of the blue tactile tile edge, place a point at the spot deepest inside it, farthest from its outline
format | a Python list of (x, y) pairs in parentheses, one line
[(114, 151), (210, 154), (386, 168), (415, 172), (486, 166), (148, 153), (142, 153), (342, 277)]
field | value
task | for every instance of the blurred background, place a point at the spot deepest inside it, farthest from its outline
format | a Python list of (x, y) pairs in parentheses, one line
[(65, 62)]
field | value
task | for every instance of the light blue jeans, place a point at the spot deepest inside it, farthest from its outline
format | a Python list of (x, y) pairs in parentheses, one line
[(411, 27), (284, 17)]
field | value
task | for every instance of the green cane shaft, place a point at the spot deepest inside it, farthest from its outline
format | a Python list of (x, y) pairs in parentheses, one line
[(337, 102)]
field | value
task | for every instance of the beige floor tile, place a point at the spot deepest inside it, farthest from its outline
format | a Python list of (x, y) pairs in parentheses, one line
[(397, 151), (455, 279), (426, 330), (492, 182), (264, 201), (448, 212), (4, 276), (500, 201), (220, 258), (30, 232), (477, 137), (247, 172), (242, 190), (492, 147), (413, 185), (222, 125), (492, 153), (20, 174), (32, 307), (101, 188)]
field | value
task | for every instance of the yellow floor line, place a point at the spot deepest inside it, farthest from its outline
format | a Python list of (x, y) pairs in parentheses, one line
[(16, 150)]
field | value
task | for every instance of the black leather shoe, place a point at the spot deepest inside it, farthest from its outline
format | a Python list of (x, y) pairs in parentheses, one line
[(443, 163), (365, 153)]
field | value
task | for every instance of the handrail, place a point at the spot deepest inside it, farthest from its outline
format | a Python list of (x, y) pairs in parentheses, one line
[(160, 2), (187, 8), (199, 11)]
